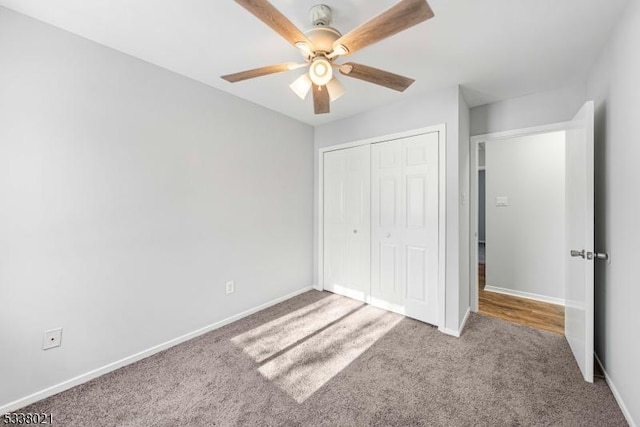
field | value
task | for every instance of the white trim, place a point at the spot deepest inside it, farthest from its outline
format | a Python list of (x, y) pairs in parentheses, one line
[(475, 142), (88, 376), (457, 333), (464, 321), (442, 215), (448, 331), (474, 190), (320, 225), (527, 295), (554, 127), (384, 138), (616, 395), (442, 226)]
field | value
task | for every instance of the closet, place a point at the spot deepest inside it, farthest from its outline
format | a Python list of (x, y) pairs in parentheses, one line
[(381, 224)]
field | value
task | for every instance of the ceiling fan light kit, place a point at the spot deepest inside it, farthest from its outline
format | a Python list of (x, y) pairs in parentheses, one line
[(320, 70), (322, 45), (335, 89), (301, 86)]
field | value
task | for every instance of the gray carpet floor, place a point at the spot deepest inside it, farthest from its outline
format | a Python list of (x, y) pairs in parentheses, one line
[(320, 359)]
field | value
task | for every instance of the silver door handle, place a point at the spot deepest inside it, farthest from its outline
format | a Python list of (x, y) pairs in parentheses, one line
[(590, 255), (388, 235), (355, 231), (580, 254), (601, 255), (598, 255)]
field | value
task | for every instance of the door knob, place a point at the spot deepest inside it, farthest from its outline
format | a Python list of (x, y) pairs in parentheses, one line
[(355, 231), (590, 255), (598, 255), (578, 254), (388, 235), (601, 255)]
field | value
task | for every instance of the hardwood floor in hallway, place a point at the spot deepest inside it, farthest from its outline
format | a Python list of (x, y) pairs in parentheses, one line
[(540, 315)]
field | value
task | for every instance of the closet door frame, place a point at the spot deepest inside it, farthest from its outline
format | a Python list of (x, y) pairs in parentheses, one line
[(442, 204)]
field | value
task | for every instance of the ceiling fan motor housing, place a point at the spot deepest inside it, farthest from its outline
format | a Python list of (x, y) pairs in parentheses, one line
[(323, 38), (321, 14), (322, 35)]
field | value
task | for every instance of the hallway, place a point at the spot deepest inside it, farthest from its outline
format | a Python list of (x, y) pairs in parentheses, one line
[(540, 315)]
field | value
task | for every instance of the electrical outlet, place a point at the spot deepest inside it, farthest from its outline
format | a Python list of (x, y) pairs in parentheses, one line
[(52, 338), (230, 287)]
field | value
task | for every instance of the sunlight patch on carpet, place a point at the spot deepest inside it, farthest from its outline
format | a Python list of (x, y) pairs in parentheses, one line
[(302, 352), (263, 342)]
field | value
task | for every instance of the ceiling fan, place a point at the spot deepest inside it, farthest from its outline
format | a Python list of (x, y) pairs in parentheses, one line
[(322, 45)]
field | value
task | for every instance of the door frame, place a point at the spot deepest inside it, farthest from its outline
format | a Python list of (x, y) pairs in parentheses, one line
[(474, 167), (442, 217)]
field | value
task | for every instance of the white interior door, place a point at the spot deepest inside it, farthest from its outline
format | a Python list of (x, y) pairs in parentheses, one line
[(347, 222), (404, 231), (580, 219)]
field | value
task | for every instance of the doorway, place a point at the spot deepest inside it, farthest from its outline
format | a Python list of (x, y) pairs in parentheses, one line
[(577, 255), (521, 229)]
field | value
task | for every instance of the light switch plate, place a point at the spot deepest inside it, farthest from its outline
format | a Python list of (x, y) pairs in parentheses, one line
[(230, 287), (52, 339), (502, 201)]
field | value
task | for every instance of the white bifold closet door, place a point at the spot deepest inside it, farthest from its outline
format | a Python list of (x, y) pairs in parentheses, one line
[(404, 226), (347, 222), (381, 224)]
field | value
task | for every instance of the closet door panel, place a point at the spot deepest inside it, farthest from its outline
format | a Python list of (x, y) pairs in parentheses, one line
[(347, 222), (386, 187), (420, 229), (404, 234)]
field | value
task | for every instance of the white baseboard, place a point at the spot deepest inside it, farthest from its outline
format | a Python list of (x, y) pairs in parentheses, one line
[(81, 379), (451, 332), (457, 333), (521, 294), (464, 321), (616, 395)]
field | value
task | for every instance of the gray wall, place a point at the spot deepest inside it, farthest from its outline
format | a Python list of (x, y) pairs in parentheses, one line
[(613, 84), (528, 111), (525, 249), (413, 113), (128, 196)]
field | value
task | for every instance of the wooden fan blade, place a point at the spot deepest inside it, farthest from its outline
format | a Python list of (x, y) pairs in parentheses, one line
[(398, 18), (258, 72), (374, 75), (321, 101), (267, 13)]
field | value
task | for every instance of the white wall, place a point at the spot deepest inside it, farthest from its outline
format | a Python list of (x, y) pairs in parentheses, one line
[(413, 113), (613, 84), (525, 241), (528, 111), (128, 196)]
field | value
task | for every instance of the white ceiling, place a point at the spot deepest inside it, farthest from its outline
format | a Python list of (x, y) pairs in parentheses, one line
[(495, 49)]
